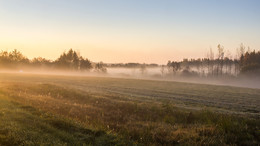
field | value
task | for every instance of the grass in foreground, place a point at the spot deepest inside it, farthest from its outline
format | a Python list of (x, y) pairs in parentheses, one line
[(133, 117), (25, 125)]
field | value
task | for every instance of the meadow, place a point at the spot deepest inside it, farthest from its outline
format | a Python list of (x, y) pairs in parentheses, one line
[(78, 110)]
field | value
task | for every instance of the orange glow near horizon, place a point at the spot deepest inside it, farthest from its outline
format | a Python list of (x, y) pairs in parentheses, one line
[(121, 32)]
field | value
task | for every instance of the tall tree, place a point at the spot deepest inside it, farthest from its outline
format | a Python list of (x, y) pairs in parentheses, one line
[(220, 59)]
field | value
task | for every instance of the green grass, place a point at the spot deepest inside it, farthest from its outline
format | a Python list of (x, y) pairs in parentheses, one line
[(91, 110), (25, 125)]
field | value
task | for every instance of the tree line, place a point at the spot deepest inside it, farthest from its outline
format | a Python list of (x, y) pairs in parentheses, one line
[(250, 62), (213, 65), (70, 60), (131, 65), (221, 64)]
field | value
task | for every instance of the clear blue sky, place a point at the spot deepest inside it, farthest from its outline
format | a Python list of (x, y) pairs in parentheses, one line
[(128, 30)]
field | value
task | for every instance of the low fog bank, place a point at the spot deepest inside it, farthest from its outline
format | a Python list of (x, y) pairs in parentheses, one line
[(247, 81), (154, 73), (242, 71)]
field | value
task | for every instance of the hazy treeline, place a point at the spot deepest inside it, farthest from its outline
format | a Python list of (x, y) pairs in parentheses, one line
[(70, 60), (218, 64), (221, 64), (250, 62), (131, 65)]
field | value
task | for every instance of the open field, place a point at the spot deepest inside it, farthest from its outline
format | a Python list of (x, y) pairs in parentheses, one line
[(112, 111)]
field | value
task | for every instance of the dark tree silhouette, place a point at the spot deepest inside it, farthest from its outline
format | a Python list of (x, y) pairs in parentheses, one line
[(73, 61), (99, 67), (250, 62)]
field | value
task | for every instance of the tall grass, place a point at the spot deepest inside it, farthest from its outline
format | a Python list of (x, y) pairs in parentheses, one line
[(145, 122)]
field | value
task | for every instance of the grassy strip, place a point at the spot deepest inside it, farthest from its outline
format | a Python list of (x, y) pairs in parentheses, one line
[(25, 125), (153, 123)]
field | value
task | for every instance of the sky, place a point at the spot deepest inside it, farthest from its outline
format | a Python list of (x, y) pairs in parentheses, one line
[(115, 31)]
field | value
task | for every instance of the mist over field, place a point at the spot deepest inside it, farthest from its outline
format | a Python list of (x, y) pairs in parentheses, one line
[(154, 73), (129, 72), (74, 108)]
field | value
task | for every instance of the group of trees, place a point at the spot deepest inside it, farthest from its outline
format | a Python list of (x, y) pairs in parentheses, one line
[(131, 65), (213, 65), (12, 59), (70, 60), (250, 62), (221, 64), (73, 61)]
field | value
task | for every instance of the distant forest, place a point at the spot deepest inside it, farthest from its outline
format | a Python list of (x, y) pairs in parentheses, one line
[(213, 65), (221, 64), (70, 61)]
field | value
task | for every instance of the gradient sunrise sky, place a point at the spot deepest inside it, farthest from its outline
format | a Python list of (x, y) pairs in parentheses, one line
[(150, 31)]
